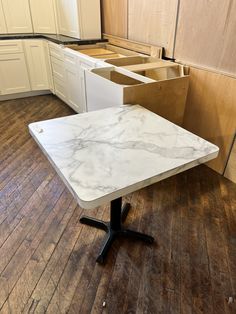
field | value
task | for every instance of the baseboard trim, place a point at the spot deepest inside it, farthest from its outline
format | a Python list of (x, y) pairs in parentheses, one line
[(23, 95)]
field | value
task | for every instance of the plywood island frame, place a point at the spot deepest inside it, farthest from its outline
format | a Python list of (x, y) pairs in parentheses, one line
[(142, 78)]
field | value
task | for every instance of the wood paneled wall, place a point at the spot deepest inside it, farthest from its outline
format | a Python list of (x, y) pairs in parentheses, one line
[(211, 111), (153, 22), (201, 33), (115, 17), (197, 33), (147, 21), (206, 34)]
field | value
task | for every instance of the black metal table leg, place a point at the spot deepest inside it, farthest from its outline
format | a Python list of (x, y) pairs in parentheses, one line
[(94, 223), (107, 244), (114, 227), (124, 211), (137, 235)]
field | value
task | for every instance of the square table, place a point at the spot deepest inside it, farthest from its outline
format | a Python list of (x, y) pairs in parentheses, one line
[(106, 154)]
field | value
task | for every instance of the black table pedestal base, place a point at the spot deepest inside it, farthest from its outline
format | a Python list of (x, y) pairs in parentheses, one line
[(114, 227)]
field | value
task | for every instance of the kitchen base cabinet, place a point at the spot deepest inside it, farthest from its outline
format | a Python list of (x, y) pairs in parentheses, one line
[(161, 90), (37, 65), (72, 81), (60, 89), (48, 65), (68, 68), (13, 74), (73, 90), (13, 69)]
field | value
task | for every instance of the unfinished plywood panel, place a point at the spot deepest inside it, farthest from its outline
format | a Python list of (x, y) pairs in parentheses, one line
[(164, 95), (166, 98), (115, 17), (230, 171), (148, 49), (153, 22), (206, 34), (211, 111)]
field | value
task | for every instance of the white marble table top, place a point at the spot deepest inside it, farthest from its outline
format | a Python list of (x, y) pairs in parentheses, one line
[(105, 154)]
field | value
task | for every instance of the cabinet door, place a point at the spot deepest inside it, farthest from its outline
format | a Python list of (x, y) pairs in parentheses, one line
[(90, 19), (3, 27), (17, 14), (60, 89), (73, 89), (37, 64), (13, 74), (72, 81), (48, 65), (84, 65), (43, 16), (68, 21)]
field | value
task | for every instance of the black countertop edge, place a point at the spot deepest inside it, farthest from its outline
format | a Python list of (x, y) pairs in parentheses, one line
[(58, 39)]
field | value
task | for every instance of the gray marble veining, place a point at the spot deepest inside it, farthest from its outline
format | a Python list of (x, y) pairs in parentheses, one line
[(109, 153)]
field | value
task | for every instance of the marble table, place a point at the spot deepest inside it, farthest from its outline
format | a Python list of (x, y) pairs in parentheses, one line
[(106, 154)]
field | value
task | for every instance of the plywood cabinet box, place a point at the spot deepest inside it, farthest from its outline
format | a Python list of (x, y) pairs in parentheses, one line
[(159, 86)]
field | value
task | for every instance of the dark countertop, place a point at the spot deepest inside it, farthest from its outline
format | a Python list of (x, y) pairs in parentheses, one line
[(58, 39)]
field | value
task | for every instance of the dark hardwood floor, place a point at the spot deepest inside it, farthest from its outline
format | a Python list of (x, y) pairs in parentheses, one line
[(47, 258)]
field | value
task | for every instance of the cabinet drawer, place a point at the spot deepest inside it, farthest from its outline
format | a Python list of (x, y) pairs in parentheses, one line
[(11, 46), (56, 51), (58, 69), (60, 89), (70, 61)]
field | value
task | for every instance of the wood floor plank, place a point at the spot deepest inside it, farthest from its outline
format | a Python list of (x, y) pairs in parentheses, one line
[(46, 286), (22, 238), (47, 258), (30, 276)]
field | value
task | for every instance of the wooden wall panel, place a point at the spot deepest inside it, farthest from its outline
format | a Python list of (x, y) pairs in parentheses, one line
[(115, 17), (230, 171), (211, 111), (153, 22), (206, 34)]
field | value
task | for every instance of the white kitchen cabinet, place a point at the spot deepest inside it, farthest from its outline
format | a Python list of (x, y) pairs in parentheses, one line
[(18, 17), (72, 81), (3, 26), (43, 16), (60, 89), (66, 76), (79, 18), (37, 65), (73, 89), (48, 65), (13, 74), (84, 65)]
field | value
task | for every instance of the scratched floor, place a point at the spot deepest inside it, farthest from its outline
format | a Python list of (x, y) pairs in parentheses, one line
[(47, 258)]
